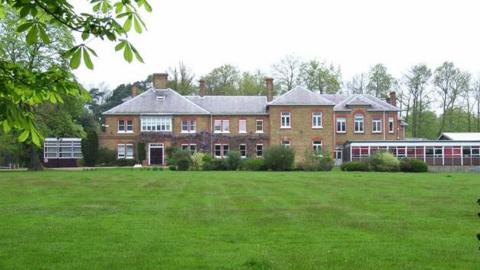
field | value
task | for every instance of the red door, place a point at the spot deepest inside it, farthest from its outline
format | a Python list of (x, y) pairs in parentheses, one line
[(156, 156)]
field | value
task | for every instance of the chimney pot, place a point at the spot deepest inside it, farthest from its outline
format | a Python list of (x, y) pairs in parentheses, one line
[(393, 99), (202, 90), (269, 85), (160, 80)]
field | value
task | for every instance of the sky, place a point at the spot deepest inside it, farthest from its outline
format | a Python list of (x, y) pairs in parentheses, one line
[(254, 34)]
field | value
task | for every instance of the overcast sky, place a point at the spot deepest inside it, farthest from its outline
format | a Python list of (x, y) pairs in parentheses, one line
[(254, 34)]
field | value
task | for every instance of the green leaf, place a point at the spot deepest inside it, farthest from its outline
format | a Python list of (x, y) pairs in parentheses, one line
[(87, 59), (148, 8), (137, 55), (24, 27), (35, 138), (32, 35), (43, 34), (91, 51), (24, 136), (127, 54), (75, 60), (6, 126), (128, 23), (137, 25), (85, 35), (120, 45), (24, 11)]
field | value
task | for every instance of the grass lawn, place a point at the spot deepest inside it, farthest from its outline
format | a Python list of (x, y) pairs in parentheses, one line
[(131, 219)]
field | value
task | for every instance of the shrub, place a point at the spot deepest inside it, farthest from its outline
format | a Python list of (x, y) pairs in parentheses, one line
[(207, 162), (125, 162), (384, 162), (279, 158), (182, 159), (359, 166), (233, 160), (216, 164), (170, 153), (316, 161), (90, 148), (172, 168), (413, 165), (106, 157), (197, 161), (254, 164), (141, 153)]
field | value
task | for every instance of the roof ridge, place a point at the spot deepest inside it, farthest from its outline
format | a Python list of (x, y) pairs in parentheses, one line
[(129, 100), (188, 100)]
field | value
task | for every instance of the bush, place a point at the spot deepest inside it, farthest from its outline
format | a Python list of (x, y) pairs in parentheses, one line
[(279, 158), (351, 166), (384, 162), (413, 165), (207, 162), (106, 157), (125, 162), (182, 159), (254, 164), (215, 164), (141, 153), (233, 160), (172, 168), (197, 161), (316, 161), (170, 153), (90, 149)]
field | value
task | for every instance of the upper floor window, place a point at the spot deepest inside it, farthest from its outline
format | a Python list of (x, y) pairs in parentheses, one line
[(125, 151), (341, 125), (221, 126), (125, 126), (391, 125), (242, 126), (189, 126), (317, 146), (243, 150), (259, 126), (358, 123), (317, 120), (376, 125), (285, 120), (156, 123)]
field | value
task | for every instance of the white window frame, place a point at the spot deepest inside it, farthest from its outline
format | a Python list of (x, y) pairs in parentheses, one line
[(192, 147), (391, 125), (377, 124), (343, 122), (257, 150), (240, 150), (224, 126), (317, 120), (190, 125), (242, 123), (257, 121), (222, 148), (285, 120), (121, 151), (122, 126), (316, 146), (151, 123), (360, 119), (62, 148), (286, 143), (129, 126), (128, 147)]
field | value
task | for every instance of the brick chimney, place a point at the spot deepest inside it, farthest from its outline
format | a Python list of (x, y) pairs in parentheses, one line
[(160, 80), (202, 90), (134, 90), (393, 99), (269, 85)]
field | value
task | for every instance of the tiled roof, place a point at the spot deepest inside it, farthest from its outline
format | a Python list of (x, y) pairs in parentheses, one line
[(344, 103), (158, 101), (231, 104), (301, 96)]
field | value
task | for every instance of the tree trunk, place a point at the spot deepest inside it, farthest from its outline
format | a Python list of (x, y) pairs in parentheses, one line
[(34, 163)]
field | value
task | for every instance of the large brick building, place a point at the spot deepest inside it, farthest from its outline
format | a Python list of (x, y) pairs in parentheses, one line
[(300, 118)]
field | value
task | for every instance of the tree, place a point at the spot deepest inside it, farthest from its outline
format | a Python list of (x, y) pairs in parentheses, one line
[(287, 72), (358, 84), (24, 87), (476, 95), (222, 80), (450, 82), (416, 81), (379, 81), (90, 148), (181, 79), (317, 76), (252, 84)]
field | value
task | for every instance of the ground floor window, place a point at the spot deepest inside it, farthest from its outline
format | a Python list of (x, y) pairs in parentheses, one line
[(317, 146), (189, 147), (259, 150), (286, 143), (243, 150), (125, 151), (221, 150)]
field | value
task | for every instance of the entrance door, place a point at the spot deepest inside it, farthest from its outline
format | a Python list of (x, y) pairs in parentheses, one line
[(338, 157), (156, 154)]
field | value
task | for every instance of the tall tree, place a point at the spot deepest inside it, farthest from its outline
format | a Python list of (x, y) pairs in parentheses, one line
[(358, 84), (476, 95), (416, 81), (379, 81), (316, 75), (181, 79), (287, 72), (252, 84), (222, 80)]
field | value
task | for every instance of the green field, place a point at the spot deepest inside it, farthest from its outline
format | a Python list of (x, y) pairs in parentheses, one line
[(131, 219)]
